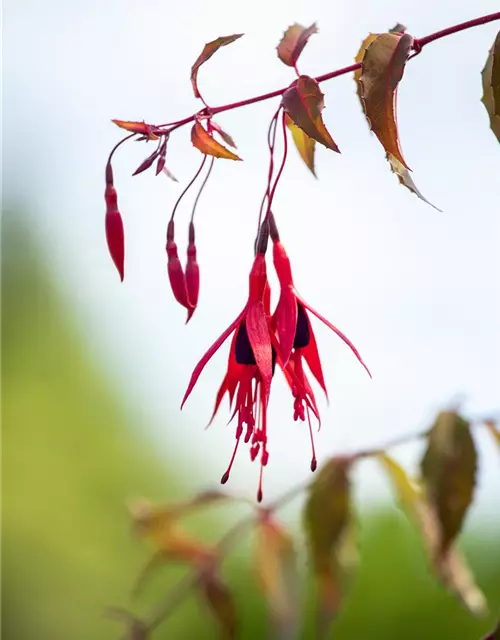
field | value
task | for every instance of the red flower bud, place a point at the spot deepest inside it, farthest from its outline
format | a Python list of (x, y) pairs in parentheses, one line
[(114, 230), (175, 271), (192, 273)]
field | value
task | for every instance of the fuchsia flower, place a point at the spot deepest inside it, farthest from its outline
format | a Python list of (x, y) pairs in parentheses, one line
[(250, 365), (296, 340)]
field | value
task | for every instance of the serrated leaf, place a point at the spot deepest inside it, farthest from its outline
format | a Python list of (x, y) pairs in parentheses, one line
[(303, 102), (383, 66), (225, 136), (208, 51), (203, 141), (491, 86), (305, 145), (220, 601), (405, 178), (293, 42), (359, 58), (449, 473), (136, 127), (276, 566), (327, 515)]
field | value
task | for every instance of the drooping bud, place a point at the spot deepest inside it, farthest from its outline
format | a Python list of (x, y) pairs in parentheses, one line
[(262, 238), (192, 273), (115, 236), (175, 271)]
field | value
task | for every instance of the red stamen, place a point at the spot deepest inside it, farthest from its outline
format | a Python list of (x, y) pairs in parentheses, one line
[(314, 461)]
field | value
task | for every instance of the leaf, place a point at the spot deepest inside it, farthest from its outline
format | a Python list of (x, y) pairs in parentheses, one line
[(449, 472), (405, 178), (491, 86), (449, 567), (327, 516), (293, 42), (208, 51), (203, 141), (225, 136), (276, 565), (359, 58), (493, 429), (220, 601), (303, 102), (306, 146), (383, 66), (136, 127), (136, 629)]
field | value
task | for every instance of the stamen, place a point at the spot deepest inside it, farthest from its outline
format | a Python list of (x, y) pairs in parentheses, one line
[(314, 462), (225, 477), (260, 494)]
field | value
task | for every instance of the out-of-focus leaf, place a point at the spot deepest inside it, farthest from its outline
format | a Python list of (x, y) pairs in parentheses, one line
[(303, 102), (405, 178), (293, 42), (449, 567), (225, 136), (147, 163), (208, 51), (494, 430), (136, 127), (136, 629), (383, 66), (449, 473), (203, 141), (398, 28), (306, 146), (220, 601), (276, 566), (491, 86), (327, 515)]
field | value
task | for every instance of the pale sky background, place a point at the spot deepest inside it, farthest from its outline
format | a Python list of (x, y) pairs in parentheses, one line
[(416, 290)]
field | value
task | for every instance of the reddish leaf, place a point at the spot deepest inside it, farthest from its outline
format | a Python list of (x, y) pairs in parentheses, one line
[(276, 566), (136, 127), (303, 102), (208, 51), (225, 136), (293, 42), (147, 163), (491, 86), (383, 66), (203, 141), (220, 601), (306, 146), (449, 473)]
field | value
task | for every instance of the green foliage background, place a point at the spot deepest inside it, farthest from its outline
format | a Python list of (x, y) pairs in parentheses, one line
[(72, 457)]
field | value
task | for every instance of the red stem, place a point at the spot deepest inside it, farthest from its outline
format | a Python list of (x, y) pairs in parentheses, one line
[(419, 43)]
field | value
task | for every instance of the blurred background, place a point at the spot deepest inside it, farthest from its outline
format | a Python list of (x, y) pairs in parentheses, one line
[(93, 370)]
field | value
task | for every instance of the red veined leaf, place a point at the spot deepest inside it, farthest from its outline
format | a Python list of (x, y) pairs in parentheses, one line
[(303, 102), (491, 86), (383, 66), (203, 141), (208, 51), (306, 146), (225, 136), (293, 42), (136, 127), (449, 470)]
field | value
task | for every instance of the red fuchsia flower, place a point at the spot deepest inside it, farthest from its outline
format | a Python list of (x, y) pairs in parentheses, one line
[(113, 222), (250, 366), (296, 339)]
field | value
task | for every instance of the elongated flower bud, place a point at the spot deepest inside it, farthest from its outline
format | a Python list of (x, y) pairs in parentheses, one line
[(192, 273), (175, 271), (115, 236)]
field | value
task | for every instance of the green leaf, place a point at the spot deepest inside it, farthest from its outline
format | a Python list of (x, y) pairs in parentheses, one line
[(327, 517), (303, 102), (208, 51), (276, 566), (449, 472)]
